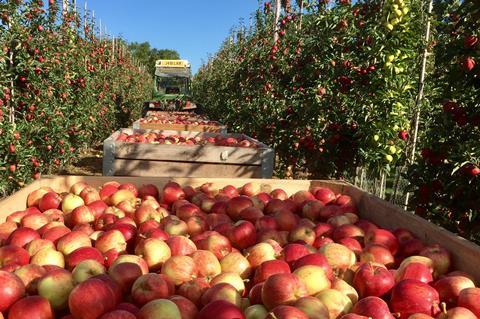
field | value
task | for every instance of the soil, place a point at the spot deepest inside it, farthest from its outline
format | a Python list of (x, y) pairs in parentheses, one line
[(89, 163)]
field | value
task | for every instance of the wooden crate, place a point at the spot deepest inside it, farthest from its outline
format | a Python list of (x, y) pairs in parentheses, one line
[(465, 254), (217, 128), (143, 159)]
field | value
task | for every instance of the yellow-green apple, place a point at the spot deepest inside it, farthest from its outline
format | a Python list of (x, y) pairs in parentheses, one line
[(194, 289), (286, 312), (468, 298), (159, 309), (34, 197), (259, 253), (22, 236), (449, 288), (127, 258), (31, 307), (188, 309), (29, 274), (48, 256), (151, 286), (342, 286), (175, 227), (91, 299), (269, 268), (87, 269), (37, 244), (181, 245), (336, 302), (235, 262), (373, 280), (302, 233), (11, 289), (313, 277), (180, 269), (70, 202), (73, 240), (441, 259), (78, 187), (316, 259), (372, 307), (222, 291), (56, 287), (411, 296), (236, 205), (312, 307), (111, 239), (121, 195), (377, 254), (207, 264), (231, 278), (282, 289), (154, 251), (212, 241), (256, 312), (457, 313), (50, 200)]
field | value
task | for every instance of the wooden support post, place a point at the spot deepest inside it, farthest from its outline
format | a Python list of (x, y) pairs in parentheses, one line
[(278, 6)]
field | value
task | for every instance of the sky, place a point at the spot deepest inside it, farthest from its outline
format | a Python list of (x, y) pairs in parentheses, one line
[(194, 28)]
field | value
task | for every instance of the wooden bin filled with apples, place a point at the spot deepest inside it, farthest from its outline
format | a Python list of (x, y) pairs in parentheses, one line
[(131, 152), (138, 247), (179, 122)]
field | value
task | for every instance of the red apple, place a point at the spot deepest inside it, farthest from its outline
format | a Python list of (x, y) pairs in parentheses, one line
[(317, 260), (279, 193), (302, 233), (22, 236), (242, 234), (414, 270), (235, 262), (180, 269), (125, 274), (148, 190), (50, 200), (285, 219), (377, 254), (128, 307), (29, 274), (151, 286), (269, 268), (412, 296), (31, 307), (13, 256), (373, 280), (311, 209), (73, 240), (325, 195), (449, 288), (251, 214), (468, 298), (220, 310), (259, 253), (11, 289), (118, 314), (131, 259), (172, 192), (382, 237), (236, 205), (111, 239), (194, 289), (312, 307), (282, 289), (222, 291), (91, 299), (188, 309), (181, 246), (98, 207), (372, 307), (218, 244)]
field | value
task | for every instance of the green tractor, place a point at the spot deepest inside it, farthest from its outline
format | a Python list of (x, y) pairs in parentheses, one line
[(171, 87)]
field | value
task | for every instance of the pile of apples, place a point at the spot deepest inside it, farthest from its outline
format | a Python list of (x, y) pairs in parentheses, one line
[(177, 119), (124, 252), (162, 138)]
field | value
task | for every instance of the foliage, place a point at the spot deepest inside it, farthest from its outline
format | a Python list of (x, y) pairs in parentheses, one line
[(147, 55), (62, 89)]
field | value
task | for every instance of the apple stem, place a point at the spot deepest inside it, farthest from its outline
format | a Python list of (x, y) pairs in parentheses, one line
[(271, 314), (397, 314), (443, 305)]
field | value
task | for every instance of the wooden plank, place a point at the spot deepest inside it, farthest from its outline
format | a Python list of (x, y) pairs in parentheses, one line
[(466, 255), (130, 167)]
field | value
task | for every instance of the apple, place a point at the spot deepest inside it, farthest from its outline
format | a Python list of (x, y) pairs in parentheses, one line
[(181, 245), (312, 307), (325, 195), (128, 307), (457, 312), (118, 314), (147, 226), (70, 202), (314, 259), (441, 259), (218, 244), (411, 247), (313, 277), (91, 299), (71, 241), (311, 209), (293, 252), (131, 259), (251, 214), (6, 228), (207, 263), (84, 228), (285, 219), (81, 215), (159, 309), (175, 227), (196, 225), (279, 193), (220, 309), (414, 270), (89, 195), (37, 244), (330, 211), (235, 262), (414, 259), (348, 231), (111, 239), (256, 312), (259, 253), (373, 280), (468, 298), (382, 237), (242, 234), (411, 296), (29, 274), (98, 207), (180, 269), (266, 223), (31, 307), (154, 251), (188, 309), (13, 255), (172, 192), (78, 187), (194, 289), (339, 257), (55, 233), (207, 204), (183, 211), (125, 274), (377, 254), (148, 190), (34, 197), (56, 287), (282, 289), (372, 307), (336, 302), (342, 286), (22, 236), (231, 278), (50, 200), (220, 207), (151, 286), (323, 229), (269, 268), (87, 269), (236, 205), (303, 233), (145, 213), (11, 289), (449, 288), (222, 291)]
